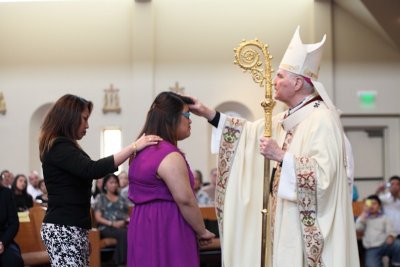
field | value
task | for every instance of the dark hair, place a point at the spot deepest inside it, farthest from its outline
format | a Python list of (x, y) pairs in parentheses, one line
[(375, 197), (14, 184), (164, 116), (63, 119), (105, 180), (2, 173), (394, 177), (200, 175), (40, 183)]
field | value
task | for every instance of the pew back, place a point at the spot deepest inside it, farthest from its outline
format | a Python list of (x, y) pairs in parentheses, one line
[(29, 240)]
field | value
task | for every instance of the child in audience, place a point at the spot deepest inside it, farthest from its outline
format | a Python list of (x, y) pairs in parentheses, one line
[(379, 237)]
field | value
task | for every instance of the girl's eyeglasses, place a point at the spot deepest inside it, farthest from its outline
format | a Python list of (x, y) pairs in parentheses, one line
[(186, 114)]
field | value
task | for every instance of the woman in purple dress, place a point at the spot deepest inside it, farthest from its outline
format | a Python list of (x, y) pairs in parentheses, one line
[(166, 223)]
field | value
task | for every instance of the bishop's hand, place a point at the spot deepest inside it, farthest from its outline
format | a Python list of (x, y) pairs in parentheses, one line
[(200, 109), (270, 149)]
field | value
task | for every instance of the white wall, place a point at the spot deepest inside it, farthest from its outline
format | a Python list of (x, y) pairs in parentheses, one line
[(48, 49), (364, 61), (52, 48)]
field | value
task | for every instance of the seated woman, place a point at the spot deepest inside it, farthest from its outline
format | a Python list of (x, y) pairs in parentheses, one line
[(111, 213), (43, 198), (23, 200), (10, 254)]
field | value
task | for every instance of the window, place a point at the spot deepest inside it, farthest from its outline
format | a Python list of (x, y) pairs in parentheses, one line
[(111, 142)]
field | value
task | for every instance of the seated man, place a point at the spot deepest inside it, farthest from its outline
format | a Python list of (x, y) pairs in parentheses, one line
[(391, 201), (379, 237)]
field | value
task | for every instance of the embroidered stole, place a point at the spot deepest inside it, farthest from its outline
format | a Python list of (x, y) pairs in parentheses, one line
[(305, 176), (307, 202), (307, 193), (231, 132), (275, 184)]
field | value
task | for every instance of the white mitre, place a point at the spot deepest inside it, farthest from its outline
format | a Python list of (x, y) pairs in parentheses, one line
[(305, 60)]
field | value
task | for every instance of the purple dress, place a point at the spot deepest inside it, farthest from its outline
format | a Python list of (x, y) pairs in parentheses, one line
[(158, 235)]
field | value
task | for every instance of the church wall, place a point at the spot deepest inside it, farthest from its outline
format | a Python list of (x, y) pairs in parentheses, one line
[(194, 45), (364, 61), (49, 49), (52, 48)]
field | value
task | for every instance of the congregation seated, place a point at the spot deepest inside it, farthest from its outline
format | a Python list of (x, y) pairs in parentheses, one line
[(378, 235), (10, 254), (111, 214), (389, 194), (28, 237), (32, 247)]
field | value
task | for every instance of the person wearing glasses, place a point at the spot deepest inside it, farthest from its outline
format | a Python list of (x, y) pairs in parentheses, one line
[(68, 173), (166, 224)]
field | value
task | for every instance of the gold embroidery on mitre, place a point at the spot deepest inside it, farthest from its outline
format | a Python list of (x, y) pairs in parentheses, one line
[(310, 74), (290, 67)]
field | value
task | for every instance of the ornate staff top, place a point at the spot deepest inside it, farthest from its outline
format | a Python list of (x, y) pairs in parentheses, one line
[(253, 56)]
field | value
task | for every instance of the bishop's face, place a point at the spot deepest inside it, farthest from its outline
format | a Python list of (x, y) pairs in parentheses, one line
[(284, 84)]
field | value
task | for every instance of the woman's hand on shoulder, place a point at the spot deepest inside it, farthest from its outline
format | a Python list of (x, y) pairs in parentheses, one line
[(147, 140)]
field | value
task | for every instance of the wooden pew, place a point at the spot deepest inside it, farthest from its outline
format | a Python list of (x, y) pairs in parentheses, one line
[(358, 207), (104, 243), (29, 240), (208, 213), (32, 248), (211, 253)]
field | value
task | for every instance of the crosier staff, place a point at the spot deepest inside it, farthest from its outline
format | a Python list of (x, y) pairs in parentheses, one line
[(253, 56)]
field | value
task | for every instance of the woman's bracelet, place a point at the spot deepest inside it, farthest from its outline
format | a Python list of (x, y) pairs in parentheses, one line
[(134, 149)]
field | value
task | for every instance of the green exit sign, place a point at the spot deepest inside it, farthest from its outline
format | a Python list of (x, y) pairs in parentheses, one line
[(367, 99)]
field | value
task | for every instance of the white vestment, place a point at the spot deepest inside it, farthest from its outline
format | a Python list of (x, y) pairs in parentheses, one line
[(316, 150)]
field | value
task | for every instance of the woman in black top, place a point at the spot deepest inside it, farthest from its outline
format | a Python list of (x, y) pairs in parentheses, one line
[(68, 173), (23, 200), (10, 254)]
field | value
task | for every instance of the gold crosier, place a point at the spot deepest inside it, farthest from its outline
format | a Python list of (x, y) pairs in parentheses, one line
[(253, 56)]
